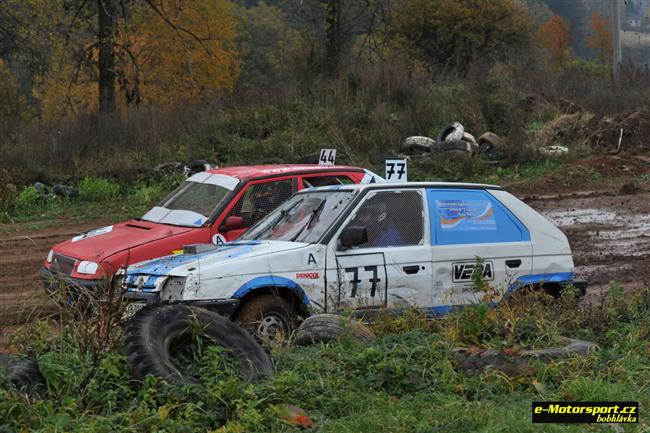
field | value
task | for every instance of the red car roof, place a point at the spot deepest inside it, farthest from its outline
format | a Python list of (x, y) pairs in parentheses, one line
[(246, 172)]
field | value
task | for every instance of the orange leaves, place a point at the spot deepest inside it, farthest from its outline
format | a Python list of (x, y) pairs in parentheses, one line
[(555, 36), (184, 50), (294, 415), (600, 37), (167, 52)]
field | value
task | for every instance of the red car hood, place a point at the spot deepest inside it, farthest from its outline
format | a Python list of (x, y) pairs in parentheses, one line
[(102, 243)]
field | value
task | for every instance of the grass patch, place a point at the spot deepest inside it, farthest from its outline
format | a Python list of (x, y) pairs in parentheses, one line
[(404, 382)]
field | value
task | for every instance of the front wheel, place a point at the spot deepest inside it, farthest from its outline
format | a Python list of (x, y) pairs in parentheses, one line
[(270, 317)]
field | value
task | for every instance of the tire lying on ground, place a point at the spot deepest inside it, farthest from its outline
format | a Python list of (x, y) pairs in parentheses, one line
[(152, 333), (24, 374), (323, 328), (489, 144), (515, 363), (458, 145)]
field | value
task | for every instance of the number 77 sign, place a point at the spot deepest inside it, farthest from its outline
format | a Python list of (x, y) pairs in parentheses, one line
[(396, 170)]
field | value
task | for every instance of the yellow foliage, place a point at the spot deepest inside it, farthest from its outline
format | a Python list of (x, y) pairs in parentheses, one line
[(167, 52), (184, 50), (66, 89)]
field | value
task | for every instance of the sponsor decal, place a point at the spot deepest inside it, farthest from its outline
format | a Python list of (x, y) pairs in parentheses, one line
[(308, 275), (466, 215), (92, 233), (462, 272), (585, 412), (286, 169)]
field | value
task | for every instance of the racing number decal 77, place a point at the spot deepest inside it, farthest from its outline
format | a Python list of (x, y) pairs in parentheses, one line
[(355, 279)]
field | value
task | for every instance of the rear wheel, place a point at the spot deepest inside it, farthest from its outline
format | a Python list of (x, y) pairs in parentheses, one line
[(270, 317)]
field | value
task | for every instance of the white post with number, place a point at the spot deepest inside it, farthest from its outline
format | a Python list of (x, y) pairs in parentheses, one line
[(327, 157), (396, 170)]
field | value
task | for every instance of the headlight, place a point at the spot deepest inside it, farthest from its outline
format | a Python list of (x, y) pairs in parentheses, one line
[(173, 289), (88, 268), (50, 256)]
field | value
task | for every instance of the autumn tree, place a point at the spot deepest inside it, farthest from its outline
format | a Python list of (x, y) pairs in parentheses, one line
[(106, 24), (454, 33), (179, 50), (555, 36), (600, 37)]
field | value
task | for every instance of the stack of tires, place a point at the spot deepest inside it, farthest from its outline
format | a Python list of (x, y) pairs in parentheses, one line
[(453, 142)]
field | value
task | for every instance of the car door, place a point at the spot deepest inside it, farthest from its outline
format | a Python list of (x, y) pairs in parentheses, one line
[(476, 242), (393, 267), (253, 204)]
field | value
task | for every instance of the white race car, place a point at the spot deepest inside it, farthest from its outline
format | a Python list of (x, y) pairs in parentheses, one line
[(365, 247)]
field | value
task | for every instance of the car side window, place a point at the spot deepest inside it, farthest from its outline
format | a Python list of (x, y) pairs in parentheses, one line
[(465, 216), (391, 219), (260, 199), (313, 181)]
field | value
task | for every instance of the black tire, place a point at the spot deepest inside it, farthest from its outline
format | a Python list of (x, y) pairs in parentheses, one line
[(197, 166), (448, 129), (489, 144), (151, 332), (65, 191), (324, 328), (270, 317), (460, 145), (24, 374)]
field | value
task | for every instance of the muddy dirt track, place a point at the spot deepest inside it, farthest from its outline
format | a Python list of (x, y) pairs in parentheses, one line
[(23, 253), (609, 235)]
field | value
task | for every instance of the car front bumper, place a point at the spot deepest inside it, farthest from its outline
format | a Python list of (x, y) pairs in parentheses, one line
[(224, 307), (54, 281)]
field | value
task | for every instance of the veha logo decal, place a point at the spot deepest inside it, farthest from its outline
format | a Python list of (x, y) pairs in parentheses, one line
[(462, 272)]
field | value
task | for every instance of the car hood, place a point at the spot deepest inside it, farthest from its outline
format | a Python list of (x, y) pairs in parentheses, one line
[(102, 243), (225, 255)]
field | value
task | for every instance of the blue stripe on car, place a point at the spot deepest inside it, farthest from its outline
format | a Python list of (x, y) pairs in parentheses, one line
[(552, 277), (524, 280), (271, 281)]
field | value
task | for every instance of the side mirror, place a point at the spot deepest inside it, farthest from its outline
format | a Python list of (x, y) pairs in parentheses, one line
[(353, 236), (232, 223)]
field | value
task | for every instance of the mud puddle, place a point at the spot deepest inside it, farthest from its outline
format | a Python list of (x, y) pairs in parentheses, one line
[(609, 236)]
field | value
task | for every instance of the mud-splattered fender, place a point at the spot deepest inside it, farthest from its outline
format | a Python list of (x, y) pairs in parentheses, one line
[(271, 281)]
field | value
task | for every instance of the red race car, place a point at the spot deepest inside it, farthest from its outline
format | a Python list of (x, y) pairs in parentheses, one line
[(211, 206)]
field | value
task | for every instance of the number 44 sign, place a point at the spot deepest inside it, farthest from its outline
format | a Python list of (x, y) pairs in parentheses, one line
[(327, 157), (396, 170)]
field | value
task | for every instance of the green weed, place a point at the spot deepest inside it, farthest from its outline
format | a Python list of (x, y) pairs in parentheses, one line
[(97, 189)]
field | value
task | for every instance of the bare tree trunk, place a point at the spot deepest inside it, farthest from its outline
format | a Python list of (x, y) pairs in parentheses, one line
[(106, 20), (332, 34)]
